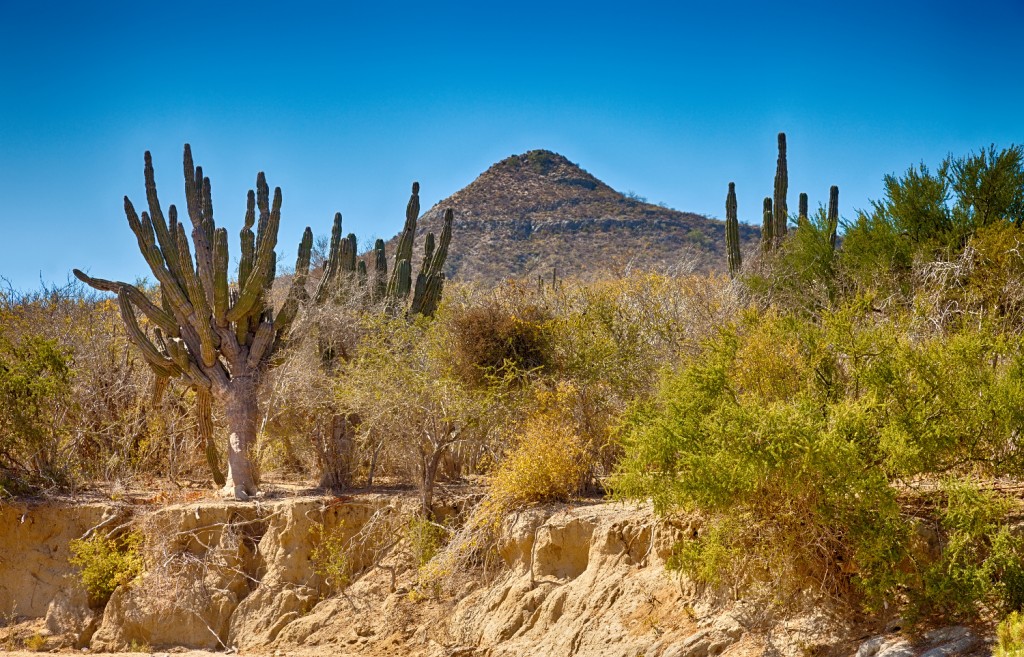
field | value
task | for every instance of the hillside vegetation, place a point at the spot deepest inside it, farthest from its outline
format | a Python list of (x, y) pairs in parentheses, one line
[(841, 418)]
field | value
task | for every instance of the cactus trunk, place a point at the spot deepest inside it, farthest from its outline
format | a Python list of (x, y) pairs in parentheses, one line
[(781, 188), (767, 226), (832, 217), (732, 232)]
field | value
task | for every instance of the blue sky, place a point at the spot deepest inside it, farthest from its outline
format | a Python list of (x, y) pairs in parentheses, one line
[(344, 104)]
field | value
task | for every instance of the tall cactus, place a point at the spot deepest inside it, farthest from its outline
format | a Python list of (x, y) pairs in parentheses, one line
[(216, 339), (781, 189), (767, 226), (732, 231), (430, 282), (802, 211), (832, 218), (401, 277), (380, 270)]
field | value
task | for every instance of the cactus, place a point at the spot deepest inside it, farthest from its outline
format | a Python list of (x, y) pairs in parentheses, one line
[(802, 211), (430, 282), (216, 339), (732, 231), (781, 188), (832, 218), (380, 270), (401, 277), (767, 226)]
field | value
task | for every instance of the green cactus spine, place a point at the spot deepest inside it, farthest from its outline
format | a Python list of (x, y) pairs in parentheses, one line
[(781, 188), (732, 232)]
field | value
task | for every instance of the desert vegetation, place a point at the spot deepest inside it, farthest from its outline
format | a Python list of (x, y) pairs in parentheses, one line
[(841, 413)]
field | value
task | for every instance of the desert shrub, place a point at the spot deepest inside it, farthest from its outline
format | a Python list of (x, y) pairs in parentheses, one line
[(789, 437), (35, 386), (104, 563), (424, 538), (548, 462), (497, 337), (330, 556), (1010, 636), (982, 560)]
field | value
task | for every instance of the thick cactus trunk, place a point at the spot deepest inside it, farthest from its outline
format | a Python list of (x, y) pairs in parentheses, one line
[(242, 412)]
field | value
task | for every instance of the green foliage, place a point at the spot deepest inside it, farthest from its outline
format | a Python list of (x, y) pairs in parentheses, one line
[(330, 556), (106, 563), (35, 380), (788, 436), (1010, 636), (982, 560), (424, 539)]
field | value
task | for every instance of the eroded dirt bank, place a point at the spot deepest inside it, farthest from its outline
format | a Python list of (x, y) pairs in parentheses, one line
[(583, 580)]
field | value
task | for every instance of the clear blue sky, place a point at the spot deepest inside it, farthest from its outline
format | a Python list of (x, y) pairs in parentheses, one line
[(344, 104)]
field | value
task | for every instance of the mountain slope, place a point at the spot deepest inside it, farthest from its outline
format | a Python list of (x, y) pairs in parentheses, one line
[(533, 213)]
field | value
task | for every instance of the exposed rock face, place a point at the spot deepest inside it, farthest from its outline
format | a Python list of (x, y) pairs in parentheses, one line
[(533, 213), (588, 580), (34, 552)]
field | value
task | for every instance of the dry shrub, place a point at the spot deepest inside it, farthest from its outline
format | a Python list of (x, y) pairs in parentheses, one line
[(500, 336), (549, 463)]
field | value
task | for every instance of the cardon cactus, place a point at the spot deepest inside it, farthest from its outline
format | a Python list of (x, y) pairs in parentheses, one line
[(802, 211), (832, 218), (430, 282), (781, 188), (215, 338), (401, 277), (380, 270), (732, 231), (767, 225)]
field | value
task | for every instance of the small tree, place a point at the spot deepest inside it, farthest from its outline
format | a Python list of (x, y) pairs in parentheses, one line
[(216, 338)]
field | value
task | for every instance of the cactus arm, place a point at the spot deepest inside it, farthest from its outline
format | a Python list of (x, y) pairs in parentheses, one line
[(266, 240), (162, 365), (297, 291), (333, 264), (204, 415), (165, 237), (401, 278), (220, 277), (264, 338), (350, 252), (155, 314), (802, 209), (428, 254), (248, 239), (200, 211), (208, 340), (143, 230)]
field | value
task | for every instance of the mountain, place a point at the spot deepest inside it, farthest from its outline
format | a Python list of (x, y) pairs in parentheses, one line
[(533, 213)]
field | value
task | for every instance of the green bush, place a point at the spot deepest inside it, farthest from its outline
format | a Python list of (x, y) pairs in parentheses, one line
[(1010, 636), (790, 437), (107, 563)]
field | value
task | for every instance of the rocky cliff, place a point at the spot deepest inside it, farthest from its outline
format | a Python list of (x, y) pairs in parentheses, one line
[(582, 580)]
